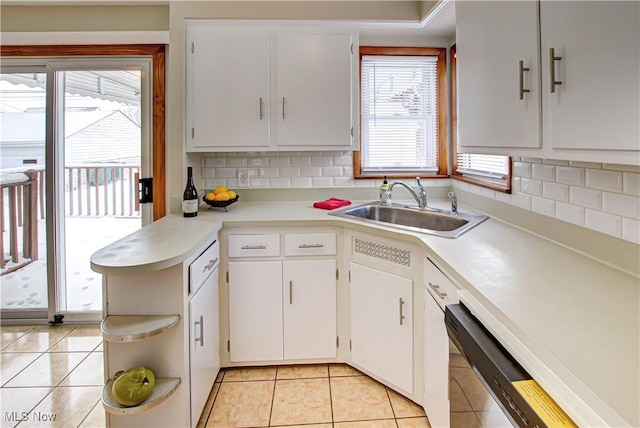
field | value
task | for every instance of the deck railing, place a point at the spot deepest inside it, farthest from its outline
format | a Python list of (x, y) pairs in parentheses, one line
[(91, 190)]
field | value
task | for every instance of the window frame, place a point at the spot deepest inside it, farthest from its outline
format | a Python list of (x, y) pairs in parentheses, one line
[(455, 175), (441, 54)]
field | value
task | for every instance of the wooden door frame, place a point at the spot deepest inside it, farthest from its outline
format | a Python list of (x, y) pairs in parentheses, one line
[(157, 52)]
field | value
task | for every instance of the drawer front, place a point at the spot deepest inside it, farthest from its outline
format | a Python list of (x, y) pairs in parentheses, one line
[(254, 245), (304, 244), (202, 267), (441, 288)]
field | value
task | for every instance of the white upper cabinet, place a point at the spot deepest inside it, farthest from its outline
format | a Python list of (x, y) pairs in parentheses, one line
[(314, 87), (591, 49), (227, 88), (597, 104), (492, 40), (258, 88)]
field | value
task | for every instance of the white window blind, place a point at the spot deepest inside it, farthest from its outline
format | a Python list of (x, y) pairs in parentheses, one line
[(399, 114), (483, 166)]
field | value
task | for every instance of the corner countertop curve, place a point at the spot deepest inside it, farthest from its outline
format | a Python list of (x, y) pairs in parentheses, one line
[(579, 317)]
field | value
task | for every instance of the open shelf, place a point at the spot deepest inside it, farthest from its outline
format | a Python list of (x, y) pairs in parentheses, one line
[(161, 392), (132, 328)]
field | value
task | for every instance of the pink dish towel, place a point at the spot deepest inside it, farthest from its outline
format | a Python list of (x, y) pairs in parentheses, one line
[(332, 203)]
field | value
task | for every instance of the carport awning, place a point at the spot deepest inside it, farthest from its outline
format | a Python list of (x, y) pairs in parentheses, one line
[(120, 86)]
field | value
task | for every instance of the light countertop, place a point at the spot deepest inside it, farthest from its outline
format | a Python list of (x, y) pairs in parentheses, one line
[(581, 318)]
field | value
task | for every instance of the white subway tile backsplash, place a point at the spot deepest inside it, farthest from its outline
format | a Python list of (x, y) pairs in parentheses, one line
[(311, 171), (268, 172), (531, 186), (603, 222), (591, 165), (208, 173), (301, 182), (623, 168), (258, 161), (570, 175), (237, 162), (343, 160), (584, 197), (555, 191), (624, 205), (543, 172), (532, 160), (321, 161), (570, 213), (332, 171), (322, 181), (346, 181), (258, 182), (279, 161), (213, 162), (521, 200), (280, 183), (289, 172), (604, 180), (631, 230), (226, 173), (503, 197), (543, 206), (555, 162), (516, 184), (631, 183), (522, 169), (487, 192), (300, 161)]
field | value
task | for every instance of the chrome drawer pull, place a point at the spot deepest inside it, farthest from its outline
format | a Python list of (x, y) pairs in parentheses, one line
[(210, 265), (253, 247), (552, 69), (436, 288), (291, 292), (310, 246), (401, 304)]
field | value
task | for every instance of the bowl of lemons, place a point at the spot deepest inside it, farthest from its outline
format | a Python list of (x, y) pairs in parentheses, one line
[(221, 197)]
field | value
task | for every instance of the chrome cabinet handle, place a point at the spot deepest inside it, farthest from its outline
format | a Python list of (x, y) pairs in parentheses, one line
[(436, 288), (552, 69), (401, 305), (201, 339), (310, 246), (522, 89), (261, 115), (253, 247), (282, 107), (291, 292), (210, 265)]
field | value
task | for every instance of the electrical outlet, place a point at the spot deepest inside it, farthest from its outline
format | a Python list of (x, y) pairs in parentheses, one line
[(243, 178)]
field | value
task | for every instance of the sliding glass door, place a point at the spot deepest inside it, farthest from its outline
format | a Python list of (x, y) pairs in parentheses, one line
[(94, 143)]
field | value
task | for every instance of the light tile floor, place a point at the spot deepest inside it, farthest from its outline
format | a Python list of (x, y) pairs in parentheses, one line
[(53, 377), (318, 395)]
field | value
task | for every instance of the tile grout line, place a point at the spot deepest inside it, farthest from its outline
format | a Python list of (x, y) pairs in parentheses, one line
[(87, 415), (330, 396), (273, 395), (393, 411)]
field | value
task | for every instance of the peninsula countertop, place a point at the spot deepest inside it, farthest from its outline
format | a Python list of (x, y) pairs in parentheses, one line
[(580, 317)]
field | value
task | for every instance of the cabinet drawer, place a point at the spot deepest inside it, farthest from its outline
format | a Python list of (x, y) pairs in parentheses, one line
[(441, 288), (202, 267), (254, 245), (302, 244)]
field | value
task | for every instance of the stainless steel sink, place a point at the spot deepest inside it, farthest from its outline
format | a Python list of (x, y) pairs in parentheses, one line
[(445, 223)]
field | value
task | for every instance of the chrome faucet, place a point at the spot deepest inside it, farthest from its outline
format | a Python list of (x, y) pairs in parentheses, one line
[(454, 202), (420, 197)]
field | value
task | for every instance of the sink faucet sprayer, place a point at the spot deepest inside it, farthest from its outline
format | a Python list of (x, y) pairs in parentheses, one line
[(420, 197), (454, 202)]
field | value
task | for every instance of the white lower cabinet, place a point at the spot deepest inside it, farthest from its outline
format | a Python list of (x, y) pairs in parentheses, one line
[(309, 309), (436, 364), (285, 308), (382, 324), (204, 343), (255, 310)]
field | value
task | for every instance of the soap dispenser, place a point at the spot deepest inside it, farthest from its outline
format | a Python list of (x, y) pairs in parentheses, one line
[(385, 193)]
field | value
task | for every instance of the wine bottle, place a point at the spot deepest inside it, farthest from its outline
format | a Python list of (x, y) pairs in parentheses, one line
[(190, 196)]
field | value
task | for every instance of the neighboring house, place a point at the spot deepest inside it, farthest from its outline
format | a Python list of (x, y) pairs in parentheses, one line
[(92, 135)]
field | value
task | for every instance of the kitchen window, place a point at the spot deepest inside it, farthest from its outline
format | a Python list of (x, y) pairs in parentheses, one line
[(491, 171), (403, 113)]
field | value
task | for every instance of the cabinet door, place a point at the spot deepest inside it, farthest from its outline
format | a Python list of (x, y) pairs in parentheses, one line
[(313, 93), (227, 88), (491, 39), (436, 364), (309, 309), (204, 343), (598, 103), (382, 324), (255, 310)]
